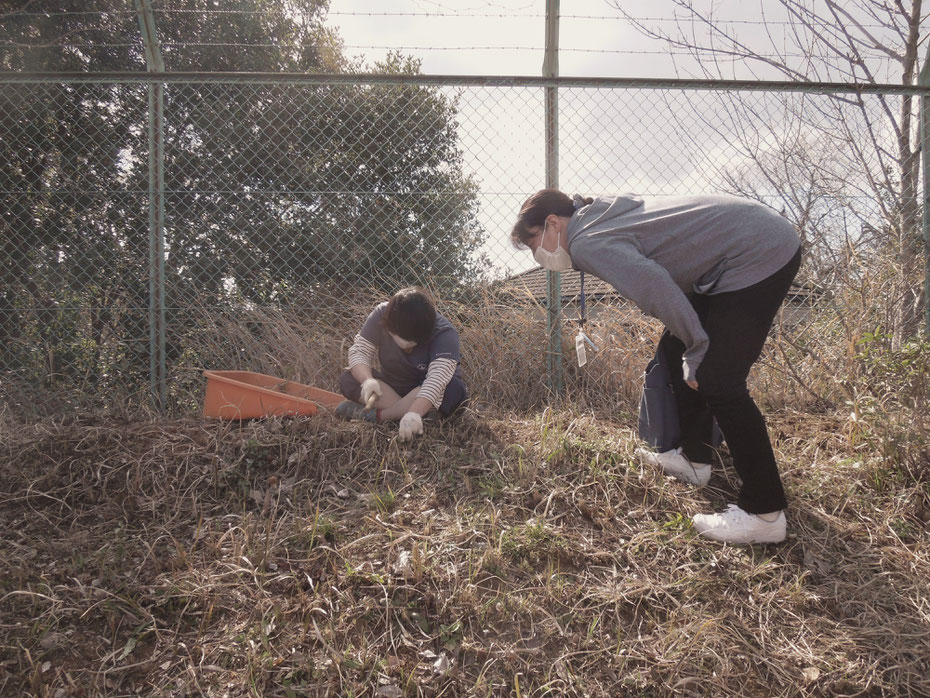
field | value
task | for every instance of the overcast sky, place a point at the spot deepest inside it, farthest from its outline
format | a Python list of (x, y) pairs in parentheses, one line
[(471, 37), (649, 142), (501, 133), (495, 37)]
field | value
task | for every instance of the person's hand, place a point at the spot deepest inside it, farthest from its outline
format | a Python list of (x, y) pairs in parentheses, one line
[(692, 384), (410, 424), (371, 391)]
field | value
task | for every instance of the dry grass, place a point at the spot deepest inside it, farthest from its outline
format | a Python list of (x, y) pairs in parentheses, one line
[(503, 339), (498, 555), (518, 550)]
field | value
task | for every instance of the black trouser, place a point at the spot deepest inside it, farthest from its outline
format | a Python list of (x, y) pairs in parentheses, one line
[(737, 324)]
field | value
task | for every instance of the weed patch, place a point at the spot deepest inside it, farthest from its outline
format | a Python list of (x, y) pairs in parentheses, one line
[(496, 554)]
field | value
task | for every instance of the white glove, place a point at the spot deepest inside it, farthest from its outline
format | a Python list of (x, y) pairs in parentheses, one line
[(410, 424), (371, 388)]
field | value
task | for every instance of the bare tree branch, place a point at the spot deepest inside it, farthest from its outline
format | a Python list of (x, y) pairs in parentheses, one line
[(869, 145)]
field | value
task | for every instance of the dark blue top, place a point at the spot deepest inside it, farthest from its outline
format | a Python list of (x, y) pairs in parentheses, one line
[(400, 368)]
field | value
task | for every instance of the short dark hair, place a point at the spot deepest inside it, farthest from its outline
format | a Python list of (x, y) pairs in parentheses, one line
[(411, 315)]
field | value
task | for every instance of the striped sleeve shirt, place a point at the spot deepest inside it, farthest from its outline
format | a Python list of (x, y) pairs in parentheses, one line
[(362, 352), (438, 375)]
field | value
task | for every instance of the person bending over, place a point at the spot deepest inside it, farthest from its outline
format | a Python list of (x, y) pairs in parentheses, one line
[(714, 270), (419, 356)]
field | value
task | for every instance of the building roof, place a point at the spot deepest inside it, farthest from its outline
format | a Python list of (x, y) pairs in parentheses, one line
[(533, 282)]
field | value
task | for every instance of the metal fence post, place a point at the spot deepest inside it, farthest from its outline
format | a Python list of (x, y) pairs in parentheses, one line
[(156, 134), (553, 279), (924, 80)]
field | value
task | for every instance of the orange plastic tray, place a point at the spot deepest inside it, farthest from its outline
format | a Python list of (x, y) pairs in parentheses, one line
[(249, 395)]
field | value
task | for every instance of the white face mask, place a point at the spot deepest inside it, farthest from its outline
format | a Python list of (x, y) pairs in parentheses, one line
[(559, 260), (404, 344)]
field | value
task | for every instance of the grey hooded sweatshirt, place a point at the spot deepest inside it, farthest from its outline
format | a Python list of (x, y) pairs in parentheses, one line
[(656, 251)]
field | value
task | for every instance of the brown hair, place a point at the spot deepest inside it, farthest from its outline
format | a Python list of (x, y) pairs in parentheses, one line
[(411, 315), (535, 209)]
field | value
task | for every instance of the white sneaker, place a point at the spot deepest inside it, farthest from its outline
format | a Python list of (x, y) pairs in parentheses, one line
[(676, 464), (737, 526)]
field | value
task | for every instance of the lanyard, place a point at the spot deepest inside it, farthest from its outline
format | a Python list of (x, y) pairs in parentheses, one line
[(584, 310), (581, 337)]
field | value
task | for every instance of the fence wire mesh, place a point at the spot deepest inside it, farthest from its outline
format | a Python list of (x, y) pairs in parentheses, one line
[(305, 199)]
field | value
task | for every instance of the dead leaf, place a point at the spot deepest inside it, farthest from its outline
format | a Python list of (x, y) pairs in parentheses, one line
[(390, 691), (810, 674), (402, 565), (51, 641), (442, 665)]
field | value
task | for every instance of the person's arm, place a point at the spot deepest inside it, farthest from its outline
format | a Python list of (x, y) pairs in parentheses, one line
[(421, 406), (361, 358), (652, 289), (438, 374), (429, 396)]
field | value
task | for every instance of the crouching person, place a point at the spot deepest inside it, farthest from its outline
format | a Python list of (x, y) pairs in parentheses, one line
[(418, 354)]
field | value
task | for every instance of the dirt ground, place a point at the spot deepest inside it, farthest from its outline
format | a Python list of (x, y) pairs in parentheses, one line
[(497, 555)]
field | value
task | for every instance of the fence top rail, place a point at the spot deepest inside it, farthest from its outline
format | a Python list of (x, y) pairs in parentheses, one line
[(466, 81)]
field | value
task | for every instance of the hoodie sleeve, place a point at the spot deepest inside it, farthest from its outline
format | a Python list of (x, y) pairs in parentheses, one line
[(649, 286)]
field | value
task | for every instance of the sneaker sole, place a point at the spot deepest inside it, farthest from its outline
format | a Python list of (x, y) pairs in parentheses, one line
[(755, 541), (760, 540)]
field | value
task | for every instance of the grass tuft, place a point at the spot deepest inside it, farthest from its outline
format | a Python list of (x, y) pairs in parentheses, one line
[(320, 557)]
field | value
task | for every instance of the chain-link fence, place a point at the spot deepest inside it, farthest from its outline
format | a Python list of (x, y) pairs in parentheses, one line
[(304, 195)]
